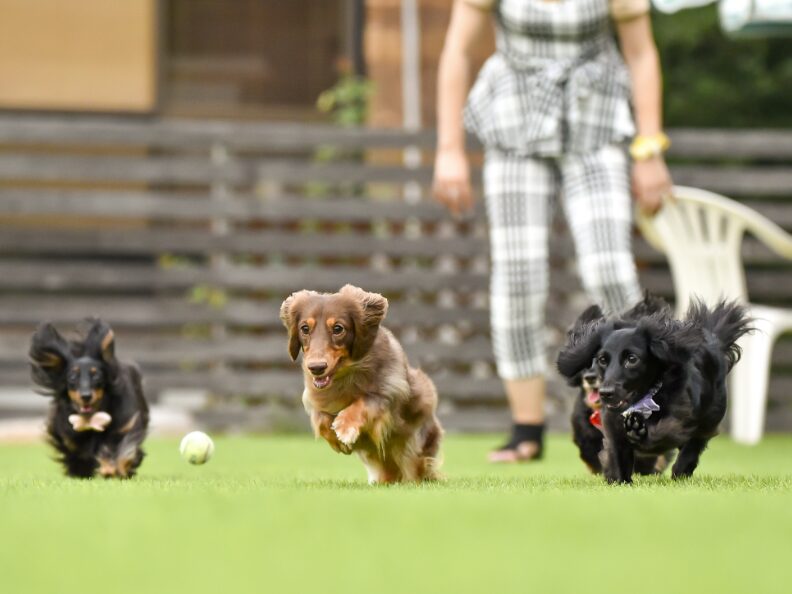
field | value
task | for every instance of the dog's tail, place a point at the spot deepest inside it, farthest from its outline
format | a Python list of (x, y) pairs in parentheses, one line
[(728, 321)]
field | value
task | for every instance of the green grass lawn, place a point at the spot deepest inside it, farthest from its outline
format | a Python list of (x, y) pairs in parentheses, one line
[(286, 514)]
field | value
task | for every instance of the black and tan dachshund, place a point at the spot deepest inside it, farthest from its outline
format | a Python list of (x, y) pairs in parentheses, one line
[(98, 416), (662, 381)]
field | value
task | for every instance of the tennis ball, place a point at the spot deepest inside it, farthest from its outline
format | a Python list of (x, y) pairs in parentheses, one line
[(196, 447)]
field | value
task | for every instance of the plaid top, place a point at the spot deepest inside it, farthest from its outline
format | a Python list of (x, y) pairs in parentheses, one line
[(556, 83)]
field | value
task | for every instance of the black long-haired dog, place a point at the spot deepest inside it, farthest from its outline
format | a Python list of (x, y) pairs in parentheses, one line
[(586, 415), (662, 381), (98, 416)]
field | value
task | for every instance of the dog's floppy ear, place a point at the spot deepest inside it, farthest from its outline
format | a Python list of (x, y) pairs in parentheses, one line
[(290, 316), (100, 340), (369, 312), (49, 355), (590, 314), (583, 342)]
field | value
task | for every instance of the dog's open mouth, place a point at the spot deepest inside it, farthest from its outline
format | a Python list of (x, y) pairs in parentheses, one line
[(593, 399), (320, 383), (616, 405), (83, 409)]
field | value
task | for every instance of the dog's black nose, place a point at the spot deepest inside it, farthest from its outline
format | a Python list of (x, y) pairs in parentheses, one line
[(607, 392), (317, 368), (86, 397), (590, 377)]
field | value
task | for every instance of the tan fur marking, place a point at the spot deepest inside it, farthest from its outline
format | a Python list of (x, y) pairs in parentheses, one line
[(96, 396), (50, 360), (339, 353), (322, 426), (380, 430), (107, 467), (349, 423), (107, 340), (131, 423), (124, 465)]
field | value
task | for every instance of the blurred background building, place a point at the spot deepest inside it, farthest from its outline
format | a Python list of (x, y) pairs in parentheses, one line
[(209, 58), (265, 59)]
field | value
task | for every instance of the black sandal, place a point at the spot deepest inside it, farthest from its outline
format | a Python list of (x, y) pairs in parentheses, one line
[(526, 445)]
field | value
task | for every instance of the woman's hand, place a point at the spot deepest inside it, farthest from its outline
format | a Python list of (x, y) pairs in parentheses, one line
[(451, 186), (651, 184), (651, 181)]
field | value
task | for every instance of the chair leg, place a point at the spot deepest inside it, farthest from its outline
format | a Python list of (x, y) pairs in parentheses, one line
[(749, 383)]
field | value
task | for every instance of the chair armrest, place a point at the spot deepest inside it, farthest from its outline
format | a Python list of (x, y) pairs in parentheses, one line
[(771, 235), (758, 225), (646, 226)]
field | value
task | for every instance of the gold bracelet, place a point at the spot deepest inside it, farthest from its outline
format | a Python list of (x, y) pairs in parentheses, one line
[(646, 147)]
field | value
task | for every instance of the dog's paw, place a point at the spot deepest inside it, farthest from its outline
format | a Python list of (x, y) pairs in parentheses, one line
[(107, 468), (339, 447), (635, 428), (323, 428), (346, 433)]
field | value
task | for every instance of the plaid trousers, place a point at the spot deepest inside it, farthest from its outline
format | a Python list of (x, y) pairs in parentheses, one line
[(520, 193)]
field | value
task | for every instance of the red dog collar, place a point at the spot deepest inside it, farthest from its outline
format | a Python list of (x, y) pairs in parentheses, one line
[(596, 419)]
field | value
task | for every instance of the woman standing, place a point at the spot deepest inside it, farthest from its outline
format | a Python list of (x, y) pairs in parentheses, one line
[(554, 110)]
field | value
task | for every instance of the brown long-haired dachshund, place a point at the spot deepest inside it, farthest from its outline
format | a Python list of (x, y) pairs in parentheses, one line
[(360, 392)]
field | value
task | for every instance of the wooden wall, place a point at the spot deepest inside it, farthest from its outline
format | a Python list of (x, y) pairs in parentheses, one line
[(78, 55), (262, 58), (186, 235)]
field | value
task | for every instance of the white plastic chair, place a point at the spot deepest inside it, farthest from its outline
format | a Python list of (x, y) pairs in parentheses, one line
[(701, 235)]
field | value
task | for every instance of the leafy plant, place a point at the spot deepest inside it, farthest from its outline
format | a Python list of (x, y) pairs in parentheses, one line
[(347, 101), (214, 297), (712, 80)]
